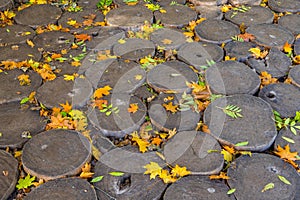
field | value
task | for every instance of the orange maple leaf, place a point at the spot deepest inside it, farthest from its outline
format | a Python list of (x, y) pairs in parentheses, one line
[(246, 37), (75, 63), (104, 91), (24, 79), (56, 55), (285, 153), (156, 141), (171, 107), (99, 103), (83, 37), (66, 107), (222, 175), (133, 107)]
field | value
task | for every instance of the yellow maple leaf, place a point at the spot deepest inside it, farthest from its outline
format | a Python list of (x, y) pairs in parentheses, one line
[(86, 167), (143, 144), (30, 43), (222, 175), (196, 87), (167, 41), (66, 107), (258, 53), (297, 59), (285, 153), (138, 77), (170, 107), (86, 174), (121, 41), (24, 79), (227, 156), (171, 133), (71, 22), (69, 77), (162, 11), (153, 169), (167, 177), (226, 8), (180, 171), (230, 58), (133, 107), (188, 34), (104, 91), (287, 48)]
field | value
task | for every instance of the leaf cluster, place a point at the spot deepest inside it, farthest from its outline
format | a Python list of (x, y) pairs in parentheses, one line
[(291, 123), (232, 111)]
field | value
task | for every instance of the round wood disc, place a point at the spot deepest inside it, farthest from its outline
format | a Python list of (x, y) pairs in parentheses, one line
[(9, 176), (284, 6), (10, 80), (64, 188), (129, 17), (197, 187), (15, 34), (38, 15), (256, 126), (171, 76), (121, 122), (255, 15), (19, 52), (129, 159), (197, 54), (176, 16), (168, 2), (128, 186), (294, 75), (282, 97), (209, 12), (270, 35), (216, 31), (239, 50), (105, 38), (283, 137), (232, 77), (168, 38), (291, 23), (190, 149), (123, 77), (166, 120), (79, 17), (134, 48), (55, 154), (16, 123), (243, 2), (120, 3), (276, 63), (53, 40), (249, 176), (208, 2), (77, 92)]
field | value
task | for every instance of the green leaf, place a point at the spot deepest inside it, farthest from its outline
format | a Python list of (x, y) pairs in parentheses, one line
[(268, 187), (232, 111), (97, 179), (297, 117), (231, 191), (108, 113), (284, 180), (288, 139), (116, 173), (25, 183), (241, 144), (24, 100), (293, 130), (212, 151)]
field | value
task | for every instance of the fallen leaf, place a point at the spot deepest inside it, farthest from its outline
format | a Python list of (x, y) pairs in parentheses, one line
[(66, 107), (99, 103), (180, 171), (116, 173), (97, 179), (83, 37), (167, 177), (86, 175), (133, 107), (75, 63), (24, 79), (258, 53), (153, 169), (285, 153), (30, 43), (222, 175), (100, 92), (170, 107), (121, 41), (269, 186), (287, 48), (156, 141), (246, 37), (138, 77), (227, 156), (167, 41)]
